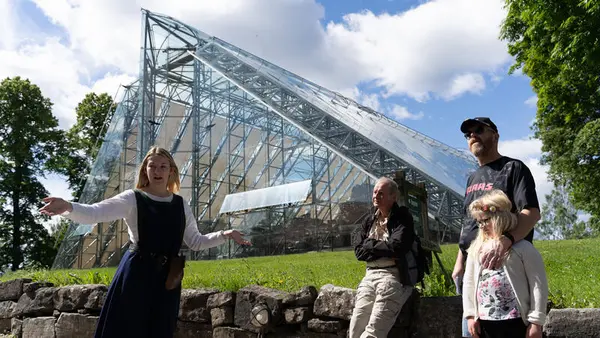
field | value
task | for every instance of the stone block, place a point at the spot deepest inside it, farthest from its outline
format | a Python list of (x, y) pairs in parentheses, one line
[(7, 308), (34, 286), (573, 323), (305, 297), (74, 325), (326, 326), (40, 303), (439, 317), (335, 302), (5, 325), (75, 297), (297, 315), (193, 305), (193, 329), (39, 327), (12, 289), (221, 316), (232, 332), (247, 298), (221, 299), (16, 327)]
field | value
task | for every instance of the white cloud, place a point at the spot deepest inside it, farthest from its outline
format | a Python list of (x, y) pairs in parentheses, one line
[(465, 83), (441, 48), (521, 148), (529, 151), (54, 68), (286, 32), (374, 101), (532, 101), (111, 83), (7, 25), (56, 186), (540, 175), (369, 100), (401, 113), (438, 49)]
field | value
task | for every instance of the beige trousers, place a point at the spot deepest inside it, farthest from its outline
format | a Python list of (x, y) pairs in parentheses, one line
[(379, 299)]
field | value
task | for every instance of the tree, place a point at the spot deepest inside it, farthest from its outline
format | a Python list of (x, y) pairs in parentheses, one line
[(58, 231), (559, 218), (84, 139), (29, 137), (555, 44)]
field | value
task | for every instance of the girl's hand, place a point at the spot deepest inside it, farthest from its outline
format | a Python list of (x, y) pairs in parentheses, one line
[(474, 329), (534, 331), (55, 206), (236, 236)]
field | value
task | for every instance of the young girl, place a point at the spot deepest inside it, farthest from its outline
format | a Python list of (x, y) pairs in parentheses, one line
[(138, 303), (510, 301)]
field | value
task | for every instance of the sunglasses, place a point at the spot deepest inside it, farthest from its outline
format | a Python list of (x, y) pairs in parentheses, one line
[(483, 222), (477, 130)]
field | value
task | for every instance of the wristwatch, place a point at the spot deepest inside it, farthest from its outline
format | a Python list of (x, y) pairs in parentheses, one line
[(510, 237)]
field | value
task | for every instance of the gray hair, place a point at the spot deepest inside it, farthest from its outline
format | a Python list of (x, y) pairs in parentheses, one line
[(393, 186)]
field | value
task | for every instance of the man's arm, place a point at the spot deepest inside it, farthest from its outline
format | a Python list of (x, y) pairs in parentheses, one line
[(400, 241), (459, 265), (359, 251), (527, 220), (525, 199)]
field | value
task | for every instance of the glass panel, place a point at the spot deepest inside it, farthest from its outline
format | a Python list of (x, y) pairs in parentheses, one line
[(448, 166), (266, 197)]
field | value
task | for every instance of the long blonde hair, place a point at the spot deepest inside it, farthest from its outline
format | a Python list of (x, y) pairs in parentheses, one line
[(173, 184), (496, 206)]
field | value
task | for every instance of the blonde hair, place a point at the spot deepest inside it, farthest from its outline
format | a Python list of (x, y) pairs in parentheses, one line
[(496, 206), (173, 184)]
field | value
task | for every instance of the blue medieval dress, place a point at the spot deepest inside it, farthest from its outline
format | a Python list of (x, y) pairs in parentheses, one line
[(137, 303)]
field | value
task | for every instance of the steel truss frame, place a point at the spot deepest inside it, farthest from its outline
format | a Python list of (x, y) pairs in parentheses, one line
[(238, 127)]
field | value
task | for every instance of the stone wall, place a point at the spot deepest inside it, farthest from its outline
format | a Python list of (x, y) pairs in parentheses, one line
[(41, 310)]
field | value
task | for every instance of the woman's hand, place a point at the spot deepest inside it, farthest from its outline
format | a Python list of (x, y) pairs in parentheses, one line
[(236, 236), (55, 206)]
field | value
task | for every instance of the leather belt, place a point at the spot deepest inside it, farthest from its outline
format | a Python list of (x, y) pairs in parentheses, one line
[(161, 259)]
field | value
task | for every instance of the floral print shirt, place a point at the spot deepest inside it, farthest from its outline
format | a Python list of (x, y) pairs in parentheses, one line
[(495, 296)]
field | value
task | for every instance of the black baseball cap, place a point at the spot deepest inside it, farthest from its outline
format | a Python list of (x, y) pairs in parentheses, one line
[(468, 123)]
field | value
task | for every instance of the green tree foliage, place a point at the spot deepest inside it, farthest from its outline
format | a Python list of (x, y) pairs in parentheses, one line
[(556, 44), (559, 218), (85, 138), (58, 231), (29, 137)]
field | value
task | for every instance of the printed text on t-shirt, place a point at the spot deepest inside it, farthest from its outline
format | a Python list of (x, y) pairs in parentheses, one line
[(480, 187)]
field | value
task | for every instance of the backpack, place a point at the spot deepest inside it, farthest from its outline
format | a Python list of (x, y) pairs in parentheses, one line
[(416, 259)]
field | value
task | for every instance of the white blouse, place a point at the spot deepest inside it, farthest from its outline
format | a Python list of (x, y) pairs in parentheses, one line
[(124, 206)]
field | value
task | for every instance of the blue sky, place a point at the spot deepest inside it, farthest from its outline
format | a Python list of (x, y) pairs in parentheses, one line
[(427, 64)]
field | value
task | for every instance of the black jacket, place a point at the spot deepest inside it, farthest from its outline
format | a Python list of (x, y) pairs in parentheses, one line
[(402, 235)]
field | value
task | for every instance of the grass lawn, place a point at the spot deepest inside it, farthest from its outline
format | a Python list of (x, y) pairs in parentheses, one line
[(572, 266)]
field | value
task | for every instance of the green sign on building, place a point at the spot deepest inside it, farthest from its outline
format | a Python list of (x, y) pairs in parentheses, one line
[(414, 205)]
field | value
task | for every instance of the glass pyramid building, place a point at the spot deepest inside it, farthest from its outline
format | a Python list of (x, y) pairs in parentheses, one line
[(260, 149)]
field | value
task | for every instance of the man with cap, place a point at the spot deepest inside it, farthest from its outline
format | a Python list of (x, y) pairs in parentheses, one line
[(495, 171)]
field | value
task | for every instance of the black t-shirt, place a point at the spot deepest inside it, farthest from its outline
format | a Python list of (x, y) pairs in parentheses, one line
[(507, 174)]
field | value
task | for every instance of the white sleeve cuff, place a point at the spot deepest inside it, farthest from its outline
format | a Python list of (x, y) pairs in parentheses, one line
[(536, 317)]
